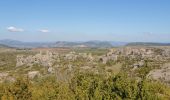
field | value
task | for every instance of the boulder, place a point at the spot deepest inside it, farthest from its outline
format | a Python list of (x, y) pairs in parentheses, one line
[(51, 70), (33, 74)]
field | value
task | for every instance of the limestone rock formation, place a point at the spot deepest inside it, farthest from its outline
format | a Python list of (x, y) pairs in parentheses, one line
[(162, 74), (45, 60), (33, 74)]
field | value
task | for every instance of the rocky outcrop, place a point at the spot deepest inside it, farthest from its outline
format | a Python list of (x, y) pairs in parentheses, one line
[(138, 64), (162, 74), (4, 76), (51, 70), (72, 56), (45, 60), (33, 74), (140, 53)]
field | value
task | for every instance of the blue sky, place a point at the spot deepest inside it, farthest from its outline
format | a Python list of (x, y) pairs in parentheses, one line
[(83, 20)]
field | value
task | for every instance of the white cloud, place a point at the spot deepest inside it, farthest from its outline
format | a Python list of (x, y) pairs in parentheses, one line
[(14, 29), (44, 31)]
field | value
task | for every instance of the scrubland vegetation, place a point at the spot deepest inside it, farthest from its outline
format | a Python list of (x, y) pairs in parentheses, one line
[(85, 87), (81, 77)]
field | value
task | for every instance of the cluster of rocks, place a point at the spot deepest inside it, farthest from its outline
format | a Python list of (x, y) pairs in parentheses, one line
[(52, 61), (43, 59), (55, 65), (111, 55), (140, 53), (49, 58), (72, 56)]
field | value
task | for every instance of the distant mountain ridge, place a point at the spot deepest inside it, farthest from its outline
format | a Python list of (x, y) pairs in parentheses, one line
[(20, 44), (98, 44), (83, 44), (147, 44)]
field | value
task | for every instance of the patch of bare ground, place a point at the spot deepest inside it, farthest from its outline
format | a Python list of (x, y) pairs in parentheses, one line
[(162, 74)]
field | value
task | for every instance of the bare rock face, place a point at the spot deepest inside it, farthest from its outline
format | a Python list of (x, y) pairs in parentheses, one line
[(3, 74), (5, 77), (20, 62), (162, 74), (90, 57), (103, 59), (33, 74)]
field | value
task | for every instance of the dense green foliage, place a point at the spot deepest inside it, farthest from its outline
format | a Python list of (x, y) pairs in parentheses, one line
[(85, 86)]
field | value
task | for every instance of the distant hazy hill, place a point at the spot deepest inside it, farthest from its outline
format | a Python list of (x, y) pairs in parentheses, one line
[(147, 44), (20, 44), (3, 46), (83, 44), (113, 43)]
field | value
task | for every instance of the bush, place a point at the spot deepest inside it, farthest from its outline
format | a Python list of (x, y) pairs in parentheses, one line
[(18, 91)]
